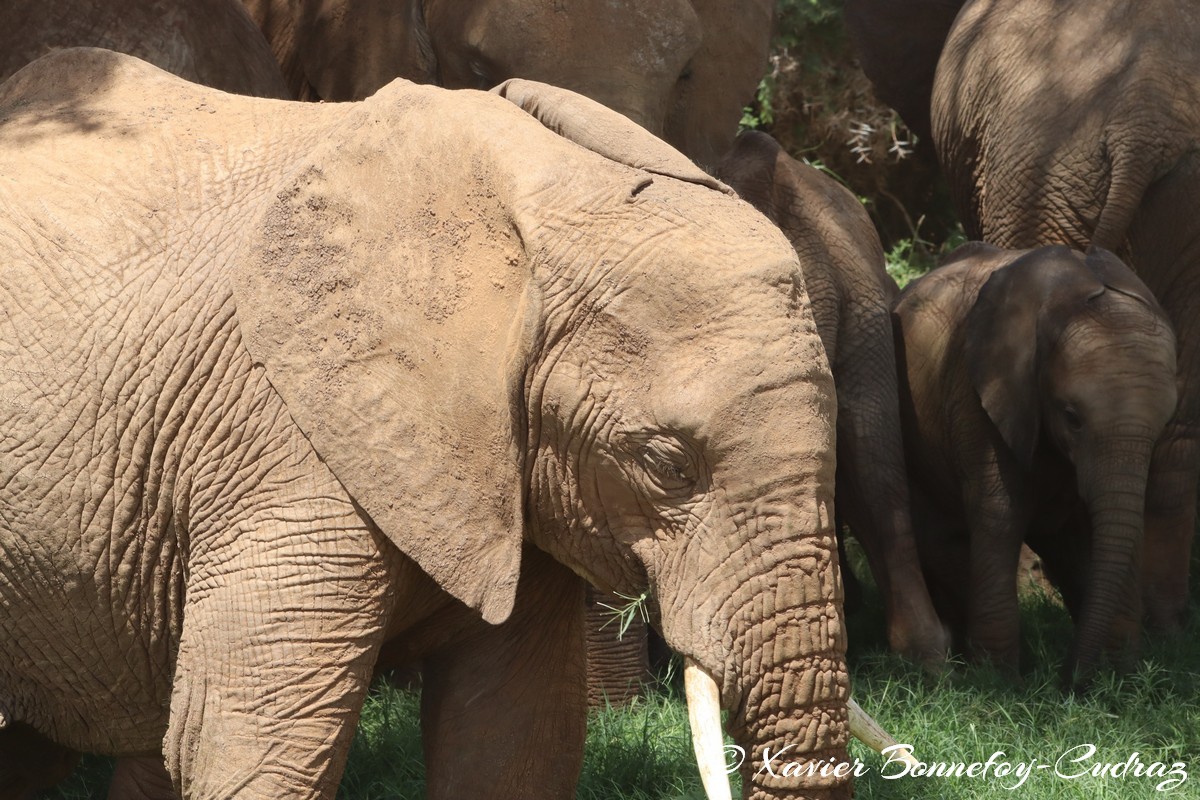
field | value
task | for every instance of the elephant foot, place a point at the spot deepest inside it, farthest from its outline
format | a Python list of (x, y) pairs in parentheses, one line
[(931, 652), (925, 642)]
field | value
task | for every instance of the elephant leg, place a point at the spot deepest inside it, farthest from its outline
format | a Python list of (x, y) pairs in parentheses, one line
[(948, 578), (944, 555), (30, 762), (1165, 252), (504, 707), (998, 519), (1170, 526), (142, 778), (993, 614), (283, 621), (873, 495)]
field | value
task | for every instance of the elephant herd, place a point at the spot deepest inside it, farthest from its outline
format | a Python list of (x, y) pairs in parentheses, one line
[(294, 391)]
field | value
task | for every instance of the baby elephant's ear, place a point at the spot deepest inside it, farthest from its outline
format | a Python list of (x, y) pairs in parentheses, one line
[(1116, 275), (603, 131), (388, 299), (1001, 352)]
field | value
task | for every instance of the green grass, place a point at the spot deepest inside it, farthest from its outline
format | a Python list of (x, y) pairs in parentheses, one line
[(968, 714), (909, 259)]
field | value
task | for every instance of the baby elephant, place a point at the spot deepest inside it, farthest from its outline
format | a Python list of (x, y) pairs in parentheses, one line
[(1034, 385)]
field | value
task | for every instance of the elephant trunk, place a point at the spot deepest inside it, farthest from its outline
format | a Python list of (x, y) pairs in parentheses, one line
[(704, 715), (797, 731), (776, 650), (1112, 482)]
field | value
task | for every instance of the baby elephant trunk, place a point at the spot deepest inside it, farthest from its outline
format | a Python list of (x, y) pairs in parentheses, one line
[(1112, 482)]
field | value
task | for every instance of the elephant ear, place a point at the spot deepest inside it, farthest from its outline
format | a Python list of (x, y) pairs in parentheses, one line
[(1004, 331), (388, 296), (603, 131), (348, 51), (1019, 314), (1114, 274)]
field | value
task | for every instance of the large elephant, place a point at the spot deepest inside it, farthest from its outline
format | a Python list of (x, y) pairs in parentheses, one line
[(213, 42), (1033, 383), (1061, 121), (682, 69), (852, 296), (282, 381)]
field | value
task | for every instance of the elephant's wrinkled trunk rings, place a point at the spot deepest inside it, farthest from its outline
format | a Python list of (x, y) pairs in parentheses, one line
[(704, 714)]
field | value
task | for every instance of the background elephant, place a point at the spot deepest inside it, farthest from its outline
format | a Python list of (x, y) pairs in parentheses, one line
[(1032, 384), (898, 46), (682, 69), (213, 42), (288, 380), (1076, 123), (851, 297)]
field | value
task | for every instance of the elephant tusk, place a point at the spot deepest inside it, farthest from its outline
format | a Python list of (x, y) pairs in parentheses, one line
[(704, 713), (872, 734)]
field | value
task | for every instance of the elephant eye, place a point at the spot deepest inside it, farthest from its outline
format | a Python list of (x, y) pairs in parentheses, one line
[(1074, 421), (668, 465), (482, 72)]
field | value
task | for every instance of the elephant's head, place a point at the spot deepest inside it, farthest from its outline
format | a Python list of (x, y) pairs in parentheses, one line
[(596, 349), (679, 68), (1075, 352)]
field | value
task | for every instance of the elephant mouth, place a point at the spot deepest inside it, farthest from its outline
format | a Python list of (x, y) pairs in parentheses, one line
[(708, 741)]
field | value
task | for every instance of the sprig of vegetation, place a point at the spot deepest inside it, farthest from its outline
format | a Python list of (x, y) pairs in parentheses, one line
[(635, 606)]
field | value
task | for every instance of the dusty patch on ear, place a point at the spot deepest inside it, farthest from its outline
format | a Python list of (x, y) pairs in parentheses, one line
[(603, 131), (392, 322)]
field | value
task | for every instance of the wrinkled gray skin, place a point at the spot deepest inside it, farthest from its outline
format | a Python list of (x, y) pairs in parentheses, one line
[(682, 69), (282, 381), (1034, 386), (851, 296), (1063, 121), (213, 42)]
